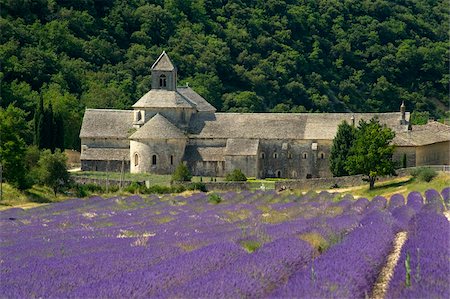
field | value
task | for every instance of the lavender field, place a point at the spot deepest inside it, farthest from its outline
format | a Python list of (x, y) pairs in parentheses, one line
[(250, 244)]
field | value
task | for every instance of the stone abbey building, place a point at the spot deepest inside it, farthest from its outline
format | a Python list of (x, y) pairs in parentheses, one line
[(172, 124)]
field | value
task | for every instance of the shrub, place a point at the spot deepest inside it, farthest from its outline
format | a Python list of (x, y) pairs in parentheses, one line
[(181, 174), (424, 174), (93, 188), (80, 191), (197, 186), (236, 175), (214, 198), (133, 188)]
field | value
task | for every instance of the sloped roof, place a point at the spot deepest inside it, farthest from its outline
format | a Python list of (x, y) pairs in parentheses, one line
[(158, 127), (106, 123), (161, 98), (319, 126), (242, 147), (432, 132), (163, 63), (198, 100), (195, 153), (112, 154)]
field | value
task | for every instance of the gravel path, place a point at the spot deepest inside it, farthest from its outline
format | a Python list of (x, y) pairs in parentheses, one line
[(382, 283)]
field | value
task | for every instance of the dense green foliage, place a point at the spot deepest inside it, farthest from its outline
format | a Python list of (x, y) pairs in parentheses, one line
[(236, 176), (53, 170), (340, 148), (292, 55), (181, 173), (371, 152), (13, 133)]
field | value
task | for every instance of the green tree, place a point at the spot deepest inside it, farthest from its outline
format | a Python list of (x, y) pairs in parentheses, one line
[(340, 148), (53, 170), (39, 124), (181, 174), (371, 152), (236, 175), (13, 127)]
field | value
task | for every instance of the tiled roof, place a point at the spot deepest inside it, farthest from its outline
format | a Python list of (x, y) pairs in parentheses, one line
[(158, 127), (195, 153), (432, 132), (107, 123), (242, 147), (161, 98), (163, 63), (198, 100), (309, 126), (98, 154)]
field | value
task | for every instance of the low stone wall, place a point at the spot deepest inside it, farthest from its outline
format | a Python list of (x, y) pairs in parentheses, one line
[(328, 183), (103, 182), (227, 186)]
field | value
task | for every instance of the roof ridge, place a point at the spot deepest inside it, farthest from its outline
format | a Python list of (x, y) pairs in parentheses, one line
[(164, 128), (107, 109), (163, 54)]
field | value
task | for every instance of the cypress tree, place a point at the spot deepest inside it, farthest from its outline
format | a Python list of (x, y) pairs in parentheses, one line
[(340, 149), (59, 131), (39, 124), (51, 128)]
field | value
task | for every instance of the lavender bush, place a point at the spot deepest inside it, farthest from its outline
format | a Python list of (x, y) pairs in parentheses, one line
[(250, 244), (423, 269)]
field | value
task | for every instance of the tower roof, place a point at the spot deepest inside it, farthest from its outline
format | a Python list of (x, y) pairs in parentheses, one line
[(163, 63), (161, 98), (158, 127)]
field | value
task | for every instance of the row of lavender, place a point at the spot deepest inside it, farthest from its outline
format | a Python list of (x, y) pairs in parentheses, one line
[(423, 270), (137, 247)]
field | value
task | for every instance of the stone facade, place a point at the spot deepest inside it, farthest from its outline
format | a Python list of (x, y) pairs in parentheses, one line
[(170, 125)]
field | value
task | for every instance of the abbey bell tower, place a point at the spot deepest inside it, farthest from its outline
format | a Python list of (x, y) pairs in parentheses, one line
[(164, 74)]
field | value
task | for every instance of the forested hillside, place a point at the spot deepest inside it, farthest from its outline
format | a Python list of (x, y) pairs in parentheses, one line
[(247, 56)]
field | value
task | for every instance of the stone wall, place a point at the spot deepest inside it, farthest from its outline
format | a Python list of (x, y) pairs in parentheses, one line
[(433, 154), (295, 159), (103, 182), (227, 186), (328, 183), (168, 154), (109, 166)]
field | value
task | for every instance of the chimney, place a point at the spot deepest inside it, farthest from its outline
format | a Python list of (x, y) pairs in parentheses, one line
[(403, 113)]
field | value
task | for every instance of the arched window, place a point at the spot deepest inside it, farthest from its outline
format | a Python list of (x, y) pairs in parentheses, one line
[(275, 155), (262, 156), (154, 160), (305, 155), (278, 173), (162, 81), (136, 159), (322, 155), (171, 159), (289, 155)]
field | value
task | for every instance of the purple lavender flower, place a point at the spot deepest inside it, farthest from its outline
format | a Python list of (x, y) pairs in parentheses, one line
[(423, 268), (446, 196), (396, 200), (415, 200), (348, 269)]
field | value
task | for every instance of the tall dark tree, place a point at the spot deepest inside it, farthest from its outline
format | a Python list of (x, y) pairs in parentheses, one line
[(39, 124), (59, 132), (371, 153), (48, 131), (340, 149)]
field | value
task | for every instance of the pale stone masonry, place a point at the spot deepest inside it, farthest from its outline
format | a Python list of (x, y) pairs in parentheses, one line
[(172, 124)]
